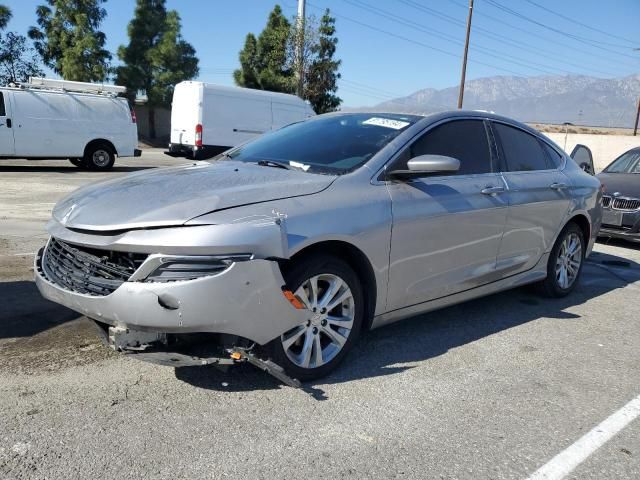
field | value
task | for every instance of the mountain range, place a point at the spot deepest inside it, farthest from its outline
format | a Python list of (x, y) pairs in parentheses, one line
[(579, 99)]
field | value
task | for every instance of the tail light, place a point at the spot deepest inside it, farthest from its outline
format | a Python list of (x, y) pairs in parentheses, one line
[(198, 135), (133, 115)]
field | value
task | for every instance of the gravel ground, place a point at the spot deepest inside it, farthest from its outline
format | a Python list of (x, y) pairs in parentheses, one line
[(492, 388)]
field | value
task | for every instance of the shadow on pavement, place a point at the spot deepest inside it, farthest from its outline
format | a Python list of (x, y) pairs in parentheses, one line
[(391, 349), (24, 312)]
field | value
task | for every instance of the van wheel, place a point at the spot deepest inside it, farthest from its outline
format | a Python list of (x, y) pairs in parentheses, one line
[(331, 292), (78, 162), (99, 157)]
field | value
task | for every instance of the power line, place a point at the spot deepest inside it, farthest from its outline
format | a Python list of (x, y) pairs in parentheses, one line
[(573, 20), (444, 36), (516, 14), (548, 54), (415, 42)]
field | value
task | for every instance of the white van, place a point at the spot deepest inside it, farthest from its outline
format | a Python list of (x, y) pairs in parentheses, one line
[(82, 122), (209, 119)]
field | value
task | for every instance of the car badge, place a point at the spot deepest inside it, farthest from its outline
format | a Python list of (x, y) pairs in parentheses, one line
[(616, 194)]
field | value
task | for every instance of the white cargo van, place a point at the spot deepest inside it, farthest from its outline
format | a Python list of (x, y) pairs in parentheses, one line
[(82, 122), (208, 119)]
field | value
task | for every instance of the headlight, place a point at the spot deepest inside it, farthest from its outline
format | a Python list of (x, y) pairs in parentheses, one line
[(171, 268)]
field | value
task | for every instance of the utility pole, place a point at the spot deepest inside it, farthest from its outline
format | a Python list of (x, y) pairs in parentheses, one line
[(466, 52), (635, 127), (300, 48)]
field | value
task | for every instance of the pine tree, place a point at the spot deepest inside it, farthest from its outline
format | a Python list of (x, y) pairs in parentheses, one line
[(264, 62), (68, 39), (157, 56), (5, 16), (322, 75), (18, 61)]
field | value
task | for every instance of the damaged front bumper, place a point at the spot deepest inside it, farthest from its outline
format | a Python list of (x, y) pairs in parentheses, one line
[(245, 300)]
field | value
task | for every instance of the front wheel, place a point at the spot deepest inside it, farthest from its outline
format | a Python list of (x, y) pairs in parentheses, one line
[(565, 263), (331, 292)]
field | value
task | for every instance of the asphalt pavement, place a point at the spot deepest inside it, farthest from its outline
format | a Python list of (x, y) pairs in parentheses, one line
[(493, 388)]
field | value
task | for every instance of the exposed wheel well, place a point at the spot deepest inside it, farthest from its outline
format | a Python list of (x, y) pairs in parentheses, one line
[(584, 225), (100, 141), (355, 259)]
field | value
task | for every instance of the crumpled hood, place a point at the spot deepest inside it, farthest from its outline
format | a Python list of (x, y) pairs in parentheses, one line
[(172, 196), (627, 184)]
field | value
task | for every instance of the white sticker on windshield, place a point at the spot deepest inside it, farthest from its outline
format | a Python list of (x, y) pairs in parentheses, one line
[(386, 122), (299, 165)]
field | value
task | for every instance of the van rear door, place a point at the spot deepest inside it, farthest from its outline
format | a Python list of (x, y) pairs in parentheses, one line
[(186, 113), (7, 146), (285, 113), (229, 120)]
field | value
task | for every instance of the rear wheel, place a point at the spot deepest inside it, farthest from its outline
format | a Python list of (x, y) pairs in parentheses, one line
[(99, 156), (565, 263), (332, 294)]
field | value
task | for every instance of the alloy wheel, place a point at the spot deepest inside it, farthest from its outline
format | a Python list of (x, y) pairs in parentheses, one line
[(332, 311), (569, 260)]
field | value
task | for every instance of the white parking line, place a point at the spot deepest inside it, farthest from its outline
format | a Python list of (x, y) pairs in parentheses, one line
[(19, 254), (563, 463)]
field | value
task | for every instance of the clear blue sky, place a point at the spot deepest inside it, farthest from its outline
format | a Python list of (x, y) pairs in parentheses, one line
[(423, 43)]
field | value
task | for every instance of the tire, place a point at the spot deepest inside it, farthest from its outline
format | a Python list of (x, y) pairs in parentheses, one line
[(555, 285), (78, 162), (99, 156), (322, 328)]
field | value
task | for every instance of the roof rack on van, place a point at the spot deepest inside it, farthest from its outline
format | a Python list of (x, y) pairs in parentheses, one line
[(69, 86)]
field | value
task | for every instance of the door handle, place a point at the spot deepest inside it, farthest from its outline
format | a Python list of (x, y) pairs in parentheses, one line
[(558, 186), (8, 123), (489, 190)]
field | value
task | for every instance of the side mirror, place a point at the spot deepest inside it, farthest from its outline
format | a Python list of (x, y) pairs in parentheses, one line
[(427, 164)]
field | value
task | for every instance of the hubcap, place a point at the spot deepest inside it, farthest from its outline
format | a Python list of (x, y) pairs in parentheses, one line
[(331, 308), (569, 260), (100, 158)]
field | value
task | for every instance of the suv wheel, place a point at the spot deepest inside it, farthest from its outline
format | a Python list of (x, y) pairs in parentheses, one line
[(332, 293)]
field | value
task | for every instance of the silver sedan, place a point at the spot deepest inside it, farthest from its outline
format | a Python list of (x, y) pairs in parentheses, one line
[(287, 248)]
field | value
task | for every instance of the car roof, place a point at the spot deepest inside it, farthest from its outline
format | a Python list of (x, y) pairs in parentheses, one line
[(447, 114)]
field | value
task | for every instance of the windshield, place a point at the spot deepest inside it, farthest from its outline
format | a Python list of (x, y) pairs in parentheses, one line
[(626, 163), (335, 144)]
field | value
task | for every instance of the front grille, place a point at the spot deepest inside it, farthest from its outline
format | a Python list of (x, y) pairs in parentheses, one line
[(606, 200), (88, 271), (629, 204)]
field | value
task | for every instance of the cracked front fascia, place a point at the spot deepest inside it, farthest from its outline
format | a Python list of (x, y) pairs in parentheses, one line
[(260, 235)]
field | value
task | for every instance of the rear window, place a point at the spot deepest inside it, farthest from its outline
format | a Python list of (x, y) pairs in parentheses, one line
[(2, 110), (522, 151), (334, 144)]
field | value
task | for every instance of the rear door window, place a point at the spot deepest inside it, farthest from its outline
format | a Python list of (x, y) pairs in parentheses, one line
[(552, 155), (3, 113), (521, 150), (464, 140)]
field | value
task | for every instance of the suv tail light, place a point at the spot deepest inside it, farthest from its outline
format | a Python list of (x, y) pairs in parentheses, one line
[(133, 115), (198, 135)]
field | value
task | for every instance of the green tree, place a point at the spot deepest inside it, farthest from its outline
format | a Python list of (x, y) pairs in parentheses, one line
[(68, 40), (156, 58), (322, 75), (5, 16), (18, 60), (264, 63)]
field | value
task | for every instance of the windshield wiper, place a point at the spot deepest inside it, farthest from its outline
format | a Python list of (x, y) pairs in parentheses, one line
[(271, 163)]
